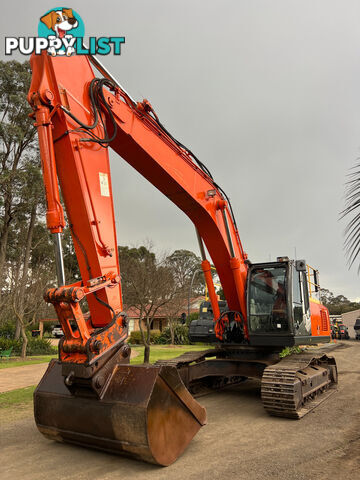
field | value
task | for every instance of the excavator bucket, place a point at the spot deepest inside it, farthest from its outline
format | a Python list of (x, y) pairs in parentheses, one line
[(143, 411)]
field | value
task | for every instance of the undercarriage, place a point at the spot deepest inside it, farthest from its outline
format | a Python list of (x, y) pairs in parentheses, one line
[(290, 387)]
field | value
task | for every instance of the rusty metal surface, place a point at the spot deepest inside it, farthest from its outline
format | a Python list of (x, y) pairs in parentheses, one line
[(145, 412)]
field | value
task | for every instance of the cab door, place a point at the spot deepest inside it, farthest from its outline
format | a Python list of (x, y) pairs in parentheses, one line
[(300, 303)]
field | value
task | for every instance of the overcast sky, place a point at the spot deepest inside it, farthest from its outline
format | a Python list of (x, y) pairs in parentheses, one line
[(265, 92)]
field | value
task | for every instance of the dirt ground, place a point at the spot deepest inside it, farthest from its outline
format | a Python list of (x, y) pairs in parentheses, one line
[(239, 442), (20, 377)]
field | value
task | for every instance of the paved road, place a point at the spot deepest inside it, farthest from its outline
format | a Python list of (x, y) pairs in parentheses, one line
[(239, 442)]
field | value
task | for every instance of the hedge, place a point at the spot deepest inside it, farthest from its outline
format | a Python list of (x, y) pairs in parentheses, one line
[(181, 336), (35, 346), (135, 337)]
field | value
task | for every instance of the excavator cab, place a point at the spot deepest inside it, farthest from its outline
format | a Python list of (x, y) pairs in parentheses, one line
[(283, 309)]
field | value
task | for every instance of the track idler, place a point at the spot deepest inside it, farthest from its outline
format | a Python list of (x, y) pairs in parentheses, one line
[(142, 411)]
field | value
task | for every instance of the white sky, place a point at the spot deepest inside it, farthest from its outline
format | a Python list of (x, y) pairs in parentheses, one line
[(266, 93)]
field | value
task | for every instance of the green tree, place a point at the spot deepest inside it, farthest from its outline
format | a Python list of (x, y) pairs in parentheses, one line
[(26, 265), (148, 285), (337, 304), (17, 135), (184, 264)]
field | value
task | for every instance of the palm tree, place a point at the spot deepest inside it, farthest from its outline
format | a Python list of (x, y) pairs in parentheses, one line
[(352, 209)]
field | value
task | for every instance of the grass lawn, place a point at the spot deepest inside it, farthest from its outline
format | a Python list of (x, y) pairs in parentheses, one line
[(17, 397), (164, 352), (157, 352), (18, 362)]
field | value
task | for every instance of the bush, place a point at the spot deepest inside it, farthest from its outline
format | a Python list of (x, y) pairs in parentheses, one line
[(35, 346), (154, 336), (135, 337), (40, 346), (7, 330), (6, 343), (181, 335)]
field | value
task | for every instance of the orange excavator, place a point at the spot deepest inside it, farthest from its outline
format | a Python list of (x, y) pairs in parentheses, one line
[(91, 395)]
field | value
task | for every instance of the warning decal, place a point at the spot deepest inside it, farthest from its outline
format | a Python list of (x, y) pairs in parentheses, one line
[(104, 184)]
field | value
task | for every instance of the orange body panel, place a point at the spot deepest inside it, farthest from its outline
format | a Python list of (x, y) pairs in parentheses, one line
[(320, 320)]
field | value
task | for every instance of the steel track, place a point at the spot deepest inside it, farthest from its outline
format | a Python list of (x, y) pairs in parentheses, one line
[(297, 384)]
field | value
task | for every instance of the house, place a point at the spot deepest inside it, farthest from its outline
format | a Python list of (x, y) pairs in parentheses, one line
[(160, 320), (133, 313)]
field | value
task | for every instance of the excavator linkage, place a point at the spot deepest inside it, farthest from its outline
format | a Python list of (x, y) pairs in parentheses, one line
[(143, 411)]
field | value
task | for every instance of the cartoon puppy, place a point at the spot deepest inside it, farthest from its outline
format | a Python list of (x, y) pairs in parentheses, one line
[(61, 21)]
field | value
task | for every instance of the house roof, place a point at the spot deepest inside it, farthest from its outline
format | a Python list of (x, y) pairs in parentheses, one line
[(134, 312)]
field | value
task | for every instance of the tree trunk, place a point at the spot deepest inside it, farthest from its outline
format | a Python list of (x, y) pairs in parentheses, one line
[(25, 341), (147, 353), (172, 333), (21, 288), (144, 340), (17, 329), (147, 342)]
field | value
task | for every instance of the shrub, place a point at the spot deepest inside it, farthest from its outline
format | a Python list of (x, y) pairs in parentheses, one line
[(7, 330), (161, 339), (154, 336), (40, 346), (135, 337), (6, 343), (35, 346), (181, 335)]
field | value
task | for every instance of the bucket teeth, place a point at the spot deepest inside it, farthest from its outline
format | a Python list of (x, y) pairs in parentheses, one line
[(146, 412)]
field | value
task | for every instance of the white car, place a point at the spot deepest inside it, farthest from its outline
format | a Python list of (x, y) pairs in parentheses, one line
[(57, 331)]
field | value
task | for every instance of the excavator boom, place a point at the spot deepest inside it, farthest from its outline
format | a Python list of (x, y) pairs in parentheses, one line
[(140, 139)]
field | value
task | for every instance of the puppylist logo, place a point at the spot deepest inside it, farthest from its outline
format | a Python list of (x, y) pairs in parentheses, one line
[(61, 32)]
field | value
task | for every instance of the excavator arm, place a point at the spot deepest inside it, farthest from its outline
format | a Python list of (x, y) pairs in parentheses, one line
[(74, 114), (78, 116)]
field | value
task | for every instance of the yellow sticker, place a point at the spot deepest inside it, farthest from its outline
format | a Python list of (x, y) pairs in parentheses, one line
[(104, 184)]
